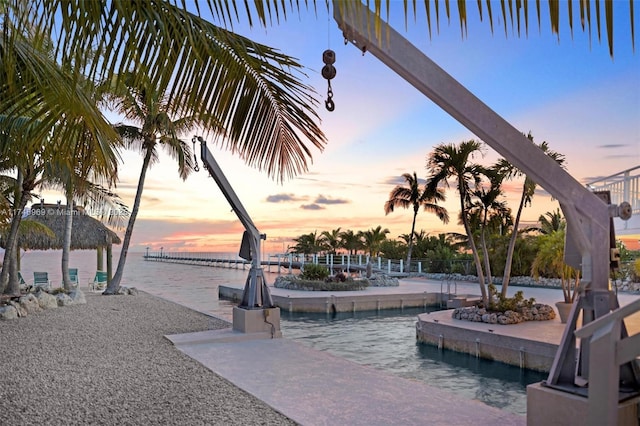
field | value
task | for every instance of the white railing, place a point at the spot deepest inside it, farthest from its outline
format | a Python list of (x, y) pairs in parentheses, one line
[(623, 186)]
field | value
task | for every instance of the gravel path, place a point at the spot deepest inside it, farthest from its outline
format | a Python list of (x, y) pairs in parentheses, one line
[(108, 363)]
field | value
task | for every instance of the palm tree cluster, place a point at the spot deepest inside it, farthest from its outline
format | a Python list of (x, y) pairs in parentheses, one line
[(330, 242), (483, 211)]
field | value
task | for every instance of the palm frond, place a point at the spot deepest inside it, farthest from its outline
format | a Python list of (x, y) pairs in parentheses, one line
[(252, 91)]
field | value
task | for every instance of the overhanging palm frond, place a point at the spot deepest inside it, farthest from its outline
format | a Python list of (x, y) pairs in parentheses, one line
[(254, 92), (512, 14), (33, 85)]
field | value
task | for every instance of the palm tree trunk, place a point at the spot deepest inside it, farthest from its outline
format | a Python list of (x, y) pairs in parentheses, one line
[(12, 237), (14, 283), (410, 250), (7, 285), (474, 251), (114, 284), (512, 246), (483, 240), (66, 244)]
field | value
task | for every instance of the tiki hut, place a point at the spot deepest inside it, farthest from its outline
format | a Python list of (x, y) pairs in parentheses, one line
[(87, 232)]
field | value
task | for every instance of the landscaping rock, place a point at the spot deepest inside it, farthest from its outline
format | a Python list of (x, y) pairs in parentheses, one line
[(8, 312), (46, 300), (29, 303), (383, 280), (537, 312), (77, 297), (64, 299)]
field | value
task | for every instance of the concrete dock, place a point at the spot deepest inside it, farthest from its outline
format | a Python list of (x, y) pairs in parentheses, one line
[(316, 388), (417, 293)]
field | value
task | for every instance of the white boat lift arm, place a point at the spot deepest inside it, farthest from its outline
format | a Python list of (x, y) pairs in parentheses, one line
[(256, 293)]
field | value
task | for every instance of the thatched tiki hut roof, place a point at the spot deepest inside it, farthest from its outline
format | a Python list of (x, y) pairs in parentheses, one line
[(87, 233)]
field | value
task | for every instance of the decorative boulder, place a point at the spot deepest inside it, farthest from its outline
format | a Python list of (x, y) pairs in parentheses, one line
[(64, 299), (77, 297), (22, 312), (29, 303), (382, 280), (46, 300), (128, 291), (8, 312)]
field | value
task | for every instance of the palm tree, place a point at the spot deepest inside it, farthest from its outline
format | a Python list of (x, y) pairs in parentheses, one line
[(41, 126), (150, 109), (351, 241), (549, 261), (451, 161), (528, 190), (412, 196), (331, 239), (487, 203), (551, 222), (79, 189), (372, 239), (307, 244)]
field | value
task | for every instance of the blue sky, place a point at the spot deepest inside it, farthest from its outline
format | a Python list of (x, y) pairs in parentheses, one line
[(565, 89)]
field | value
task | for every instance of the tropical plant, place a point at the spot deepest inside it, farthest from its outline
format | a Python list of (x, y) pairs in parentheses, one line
[(415, 197), (312, 271), (528, 190), (151, 110), (40, 126), (248, 94), (551, 222), (450, 161), (307, 244), (331, 239), (372, 239), (351, 241), (487, 205), (549, 262), (394, 249)]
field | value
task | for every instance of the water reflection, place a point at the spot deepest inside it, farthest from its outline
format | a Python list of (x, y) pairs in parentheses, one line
[(386, 340)]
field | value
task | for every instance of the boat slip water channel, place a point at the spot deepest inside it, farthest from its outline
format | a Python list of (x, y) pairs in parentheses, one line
[(387, 340)]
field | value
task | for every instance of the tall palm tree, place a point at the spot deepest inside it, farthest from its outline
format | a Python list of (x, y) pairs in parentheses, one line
[(151, 110), (373, 238), (528, 190), (79, 189), (487, 202), (44, 108), (450, 161), (413, 196)]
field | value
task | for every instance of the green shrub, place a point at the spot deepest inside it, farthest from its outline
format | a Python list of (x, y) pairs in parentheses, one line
[(502, 304), (312, 271)]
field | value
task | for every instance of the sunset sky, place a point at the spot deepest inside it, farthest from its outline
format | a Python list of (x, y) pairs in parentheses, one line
[(566, 90)]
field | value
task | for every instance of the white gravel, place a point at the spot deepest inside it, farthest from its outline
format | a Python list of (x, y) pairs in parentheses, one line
[(108, 363)]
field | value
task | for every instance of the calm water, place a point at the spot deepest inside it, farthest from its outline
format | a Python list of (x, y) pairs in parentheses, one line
[(388, 341), (385, 341)]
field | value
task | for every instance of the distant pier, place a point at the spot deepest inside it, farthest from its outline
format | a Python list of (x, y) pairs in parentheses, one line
[(280, 263)]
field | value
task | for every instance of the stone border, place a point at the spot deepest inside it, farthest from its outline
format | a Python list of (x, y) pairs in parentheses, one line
[(31, 303), (538, 312)]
